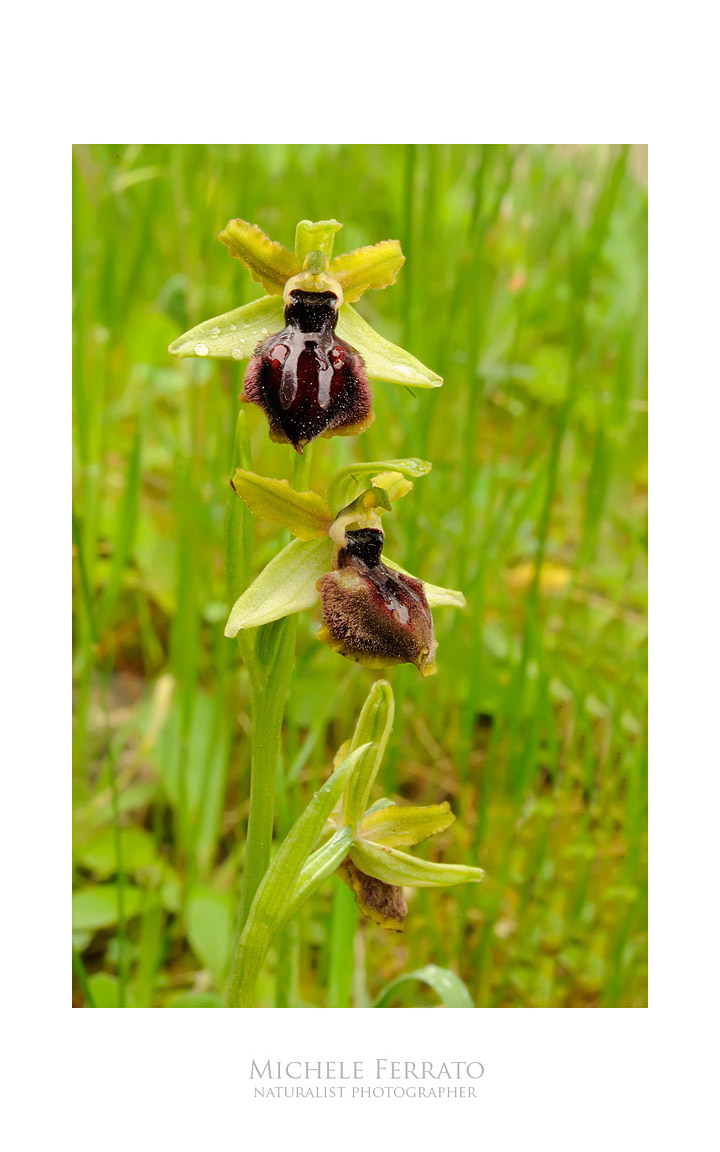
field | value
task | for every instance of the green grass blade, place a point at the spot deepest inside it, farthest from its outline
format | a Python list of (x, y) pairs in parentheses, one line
[(124, 530), (449, 987), (82, 979)]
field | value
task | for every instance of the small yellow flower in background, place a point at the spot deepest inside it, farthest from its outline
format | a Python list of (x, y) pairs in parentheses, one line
[(311, 354)]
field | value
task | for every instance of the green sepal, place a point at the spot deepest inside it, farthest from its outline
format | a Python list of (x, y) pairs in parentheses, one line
[(269, 263), (436, 596), (285, 585), (398, 827), (305, 514), (399, 868), (234, 335), (375, 266), (315, 236), (383, 360), (373, 728), (347, 483), (271, 906)]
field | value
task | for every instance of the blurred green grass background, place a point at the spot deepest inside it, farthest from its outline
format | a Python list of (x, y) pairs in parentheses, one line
[(525, 286)]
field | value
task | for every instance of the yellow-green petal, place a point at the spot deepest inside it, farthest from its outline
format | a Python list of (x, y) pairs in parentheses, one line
[(393, 484), (305, 513), (375, 266), (285, 585), (396, 826), (400, 868), (270, 263), (315, 236), (383, 360), (234, 335)]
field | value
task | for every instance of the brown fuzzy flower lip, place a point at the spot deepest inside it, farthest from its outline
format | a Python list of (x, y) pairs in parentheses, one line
[(371, 614), (306, 380), (382, 903)]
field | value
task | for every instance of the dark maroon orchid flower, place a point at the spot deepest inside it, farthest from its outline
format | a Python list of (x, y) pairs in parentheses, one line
[(307, 381)]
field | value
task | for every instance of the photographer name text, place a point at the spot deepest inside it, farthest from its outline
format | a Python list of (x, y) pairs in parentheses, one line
[(356, 1079)]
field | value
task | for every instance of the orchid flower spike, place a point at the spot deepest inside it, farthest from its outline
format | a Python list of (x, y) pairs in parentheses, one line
[(311, 354), (374, 612)]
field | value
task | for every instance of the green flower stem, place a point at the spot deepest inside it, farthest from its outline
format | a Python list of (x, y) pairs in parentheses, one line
[(301, 470), (343, 925), (268, 709), (270, 663)]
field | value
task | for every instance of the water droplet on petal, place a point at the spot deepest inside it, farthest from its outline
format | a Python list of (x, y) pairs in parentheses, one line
[(237, 353), (201, 349), (215, 331), (264, 331)]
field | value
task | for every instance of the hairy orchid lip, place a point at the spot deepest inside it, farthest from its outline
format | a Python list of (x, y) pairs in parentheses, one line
[(306, 380), (371, 614), (382, 903)]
